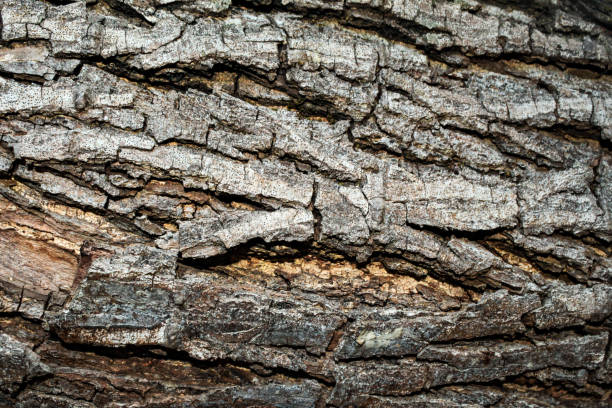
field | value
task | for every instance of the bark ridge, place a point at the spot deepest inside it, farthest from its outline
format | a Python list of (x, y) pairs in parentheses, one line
[(305, 203)]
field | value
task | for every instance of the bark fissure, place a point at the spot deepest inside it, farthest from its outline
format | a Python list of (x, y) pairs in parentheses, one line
[(305, 203)]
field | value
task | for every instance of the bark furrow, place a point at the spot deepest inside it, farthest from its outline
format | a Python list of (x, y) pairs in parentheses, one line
[(305, 203)]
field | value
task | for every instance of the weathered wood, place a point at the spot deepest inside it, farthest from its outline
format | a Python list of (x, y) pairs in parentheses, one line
[(305, 203)]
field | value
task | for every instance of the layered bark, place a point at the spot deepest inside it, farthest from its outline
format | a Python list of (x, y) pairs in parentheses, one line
[(305, 203)]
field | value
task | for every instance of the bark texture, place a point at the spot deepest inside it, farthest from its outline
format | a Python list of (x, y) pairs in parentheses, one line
[(305, 203)]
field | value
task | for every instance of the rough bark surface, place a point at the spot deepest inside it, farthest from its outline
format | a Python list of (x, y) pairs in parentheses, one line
[(305, 203)]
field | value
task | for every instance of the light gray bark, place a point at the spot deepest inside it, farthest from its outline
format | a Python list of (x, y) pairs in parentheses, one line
[(305, 203)]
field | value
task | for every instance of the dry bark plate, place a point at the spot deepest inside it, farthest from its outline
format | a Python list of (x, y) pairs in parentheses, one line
[(305, 203)]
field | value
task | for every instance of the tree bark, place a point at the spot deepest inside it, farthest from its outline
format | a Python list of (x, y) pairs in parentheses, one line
[(305, 203)]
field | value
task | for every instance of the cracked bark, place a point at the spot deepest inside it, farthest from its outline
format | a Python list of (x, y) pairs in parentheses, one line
[(305, 203)]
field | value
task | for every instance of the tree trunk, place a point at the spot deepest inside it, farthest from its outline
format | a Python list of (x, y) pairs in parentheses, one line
[(305, 203)]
